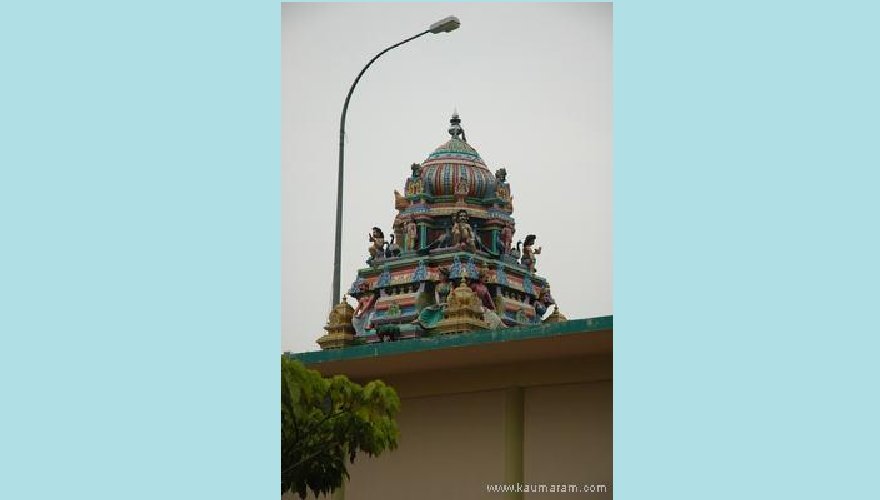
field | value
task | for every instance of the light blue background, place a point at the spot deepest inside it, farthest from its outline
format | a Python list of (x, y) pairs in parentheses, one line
[(140, 227), (746, 224), (139, 293)]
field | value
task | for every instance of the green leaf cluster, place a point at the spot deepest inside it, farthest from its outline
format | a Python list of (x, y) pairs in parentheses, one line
[(326, 420)]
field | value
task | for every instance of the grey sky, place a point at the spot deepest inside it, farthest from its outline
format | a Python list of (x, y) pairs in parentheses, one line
[(532, 83)]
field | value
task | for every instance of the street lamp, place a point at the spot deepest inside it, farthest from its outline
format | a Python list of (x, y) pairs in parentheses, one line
[(444, 25)]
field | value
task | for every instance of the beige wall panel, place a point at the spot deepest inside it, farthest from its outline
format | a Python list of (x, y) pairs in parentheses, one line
[(450, 447), (568, 436)]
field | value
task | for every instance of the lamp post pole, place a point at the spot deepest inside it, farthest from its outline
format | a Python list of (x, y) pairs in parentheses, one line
[(444, 25)]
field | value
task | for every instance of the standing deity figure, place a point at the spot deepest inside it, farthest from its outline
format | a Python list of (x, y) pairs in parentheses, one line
[(461, 190), (462, 187), (529, 252), (462, 233), (411, 235), (506, 239), (377, 238), (364, 312)]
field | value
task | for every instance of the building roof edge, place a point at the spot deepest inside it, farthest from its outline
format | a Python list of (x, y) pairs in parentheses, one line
[(570, 327)]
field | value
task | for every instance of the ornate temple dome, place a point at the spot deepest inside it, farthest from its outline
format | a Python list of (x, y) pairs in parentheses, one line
[(454, 165), (452, 262)]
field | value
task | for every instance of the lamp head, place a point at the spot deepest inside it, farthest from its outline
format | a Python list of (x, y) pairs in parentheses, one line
[(445, 25)]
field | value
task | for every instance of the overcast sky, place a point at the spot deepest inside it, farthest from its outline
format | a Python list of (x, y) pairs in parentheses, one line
[(533, 86)]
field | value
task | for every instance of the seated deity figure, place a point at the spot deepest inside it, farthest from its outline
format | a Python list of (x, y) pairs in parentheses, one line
[(377, 238), (528, 253), (544, 301), (490, 316), (444, 287), (462, 233), (482, 292), (363, 314)]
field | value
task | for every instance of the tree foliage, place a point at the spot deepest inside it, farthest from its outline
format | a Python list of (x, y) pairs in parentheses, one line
[(326, 420)]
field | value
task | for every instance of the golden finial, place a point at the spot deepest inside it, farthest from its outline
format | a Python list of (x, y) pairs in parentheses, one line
[(555, 316)]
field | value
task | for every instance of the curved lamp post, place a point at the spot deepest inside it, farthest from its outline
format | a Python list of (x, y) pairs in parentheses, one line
[(444, 25)]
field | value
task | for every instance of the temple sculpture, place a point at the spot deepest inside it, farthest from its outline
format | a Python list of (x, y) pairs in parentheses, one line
[(451, 265)]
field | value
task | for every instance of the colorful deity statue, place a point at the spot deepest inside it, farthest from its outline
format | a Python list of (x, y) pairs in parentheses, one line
[(529, 252), (462, 233), (411, 235), (363, 314), (444, 286), (377, 240), (461, 191), (543, 301), (414, 184), (392, 249), (506, 239), (516, 253), (502, 188), (490, 316), (480, 290)]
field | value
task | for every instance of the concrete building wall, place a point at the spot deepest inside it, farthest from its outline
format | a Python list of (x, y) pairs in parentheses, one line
[(460, 431), (568, 436), (450, 446)]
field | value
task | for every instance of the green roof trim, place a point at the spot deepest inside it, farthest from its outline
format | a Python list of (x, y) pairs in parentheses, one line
[(457, 340), (443, 153), (455, 146)]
